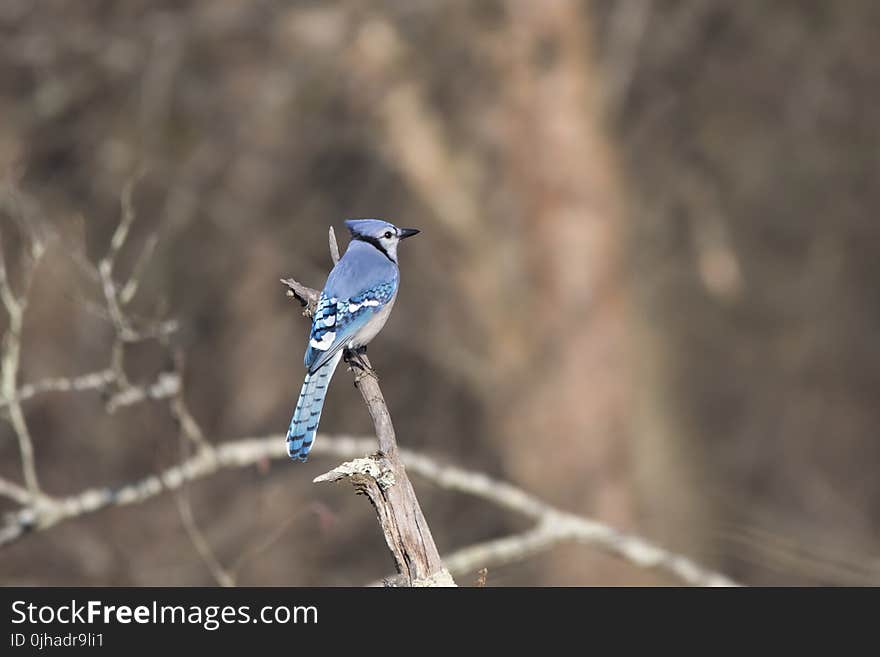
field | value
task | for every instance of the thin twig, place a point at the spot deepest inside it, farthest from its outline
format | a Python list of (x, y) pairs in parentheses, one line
[(25, 447), (200, 543), (124, 225), (189, 427), (14, 492), (129, 290), (11, 359), (334, 246), (184, 508), (307, 297), (263, 544)]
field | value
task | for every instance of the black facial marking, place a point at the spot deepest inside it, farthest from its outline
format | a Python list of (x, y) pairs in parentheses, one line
[(375, 242)]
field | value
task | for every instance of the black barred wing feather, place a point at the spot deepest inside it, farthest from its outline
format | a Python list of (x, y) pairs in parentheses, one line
[(337, 321), (323, 332)]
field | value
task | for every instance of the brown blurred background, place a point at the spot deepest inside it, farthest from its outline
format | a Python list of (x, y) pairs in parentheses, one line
[(646, 288)]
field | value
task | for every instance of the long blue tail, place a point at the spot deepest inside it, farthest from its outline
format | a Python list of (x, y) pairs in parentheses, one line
[(304, 424)]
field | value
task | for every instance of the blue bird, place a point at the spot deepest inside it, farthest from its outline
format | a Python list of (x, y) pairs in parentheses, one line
[(352, 309)]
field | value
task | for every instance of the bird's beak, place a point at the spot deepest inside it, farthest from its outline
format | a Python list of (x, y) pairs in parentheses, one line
[(408, 232)]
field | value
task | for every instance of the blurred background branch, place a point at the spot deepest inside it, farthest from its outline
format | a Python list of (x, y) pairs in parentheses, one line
[(553, 526)]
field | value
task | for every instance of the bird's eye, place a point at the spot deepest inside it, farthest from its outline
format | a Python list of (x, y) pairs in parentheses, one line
[(387, 234)]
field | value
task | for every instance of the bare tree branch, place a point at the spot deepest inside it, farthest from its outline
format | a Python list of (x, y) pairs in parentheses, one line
[(501, 551), (25, 447), (11, 357), (305, 295), (553, 525), (189, 428), (124, 225), (112, 378), (200, 543), (129, 290), (191, 435), (14, 492), (91, 381), (334, 246)]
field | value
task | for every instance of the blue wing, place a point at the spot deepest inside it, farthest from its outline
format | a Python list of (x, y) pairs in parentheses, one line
[(337, 321)]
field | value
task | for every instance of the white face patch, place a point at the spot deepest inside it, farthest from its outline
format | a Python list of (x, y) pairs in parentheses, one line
[(324, 343), (354, 307), (390, 245)]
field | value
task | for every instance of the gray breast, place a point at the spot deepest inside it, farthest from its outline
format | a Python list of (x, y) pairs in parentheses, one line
[(371, 329)]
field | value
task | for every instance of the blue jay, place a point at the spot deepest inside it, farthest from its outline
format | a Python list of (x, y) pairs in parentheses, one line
[(352, 309)]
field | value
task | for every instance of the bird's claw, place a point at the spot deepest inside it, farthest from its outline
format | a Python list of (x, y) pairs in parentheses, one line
[(355, 362)]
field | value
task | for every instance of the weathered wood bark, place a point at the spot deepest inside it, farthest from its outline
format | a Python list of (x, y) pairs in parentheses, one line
[(383, 479)]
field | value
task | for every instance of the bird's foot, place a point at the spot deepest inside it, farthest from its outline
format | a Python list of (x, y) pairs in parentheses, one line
[(355, 360)]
